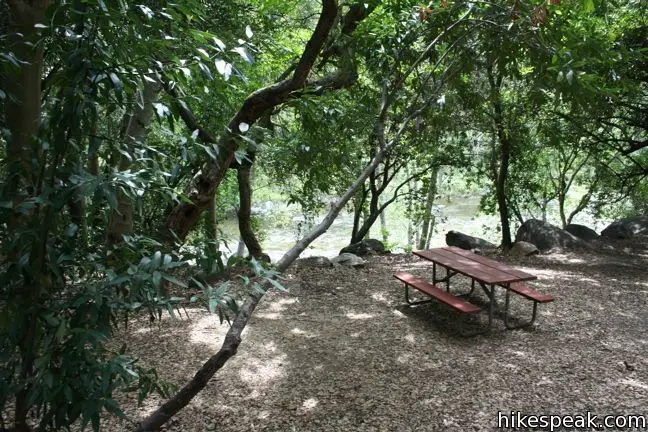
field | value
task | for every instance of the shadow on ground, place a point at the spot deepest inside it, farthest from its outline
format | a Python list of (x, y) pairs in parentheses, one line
[(342, 352)]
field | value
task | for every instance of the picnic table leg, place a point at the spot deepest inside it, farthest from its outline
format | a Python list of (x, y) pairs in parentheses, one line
[(434, 278), (491, 309), (491, 306), (506, 312), (412, 303)]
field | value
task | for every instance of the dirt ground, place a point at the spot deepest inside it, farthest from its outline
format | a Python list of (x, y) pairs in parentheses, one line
[(341, 352)]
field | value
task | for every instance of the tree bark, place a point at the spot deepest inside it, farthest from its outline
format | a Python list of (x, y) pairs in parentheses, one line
[(211, 228), (183, 217), (22, 114), (500, 190), (120, 221), (383, 227), (23, 86), (505, 145), (245, 211), (428, 217)]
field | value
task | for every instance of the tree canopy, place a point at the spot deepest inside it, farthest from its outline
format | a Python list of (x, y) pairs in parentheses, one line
[(128, 129)]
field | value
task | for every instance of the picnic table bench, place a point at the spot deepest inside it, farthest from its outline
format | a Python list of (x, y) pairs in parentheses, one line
[(483, 271)]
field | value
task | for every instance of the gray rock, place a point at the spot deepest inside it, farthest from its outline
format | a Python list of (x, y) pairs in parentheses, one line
[(314, 261), (365, 247), (546, 236), (348, 259), (582, 232), (627, 227), (521, 249), (464, 241)]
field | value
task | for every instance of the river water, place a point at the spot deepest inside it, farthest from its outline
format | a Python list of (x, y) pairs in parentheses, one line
[(460, 214)]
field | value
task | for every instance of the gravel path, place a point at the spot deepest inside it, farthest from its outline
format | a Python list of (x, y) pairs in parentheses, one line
[(340, 352)]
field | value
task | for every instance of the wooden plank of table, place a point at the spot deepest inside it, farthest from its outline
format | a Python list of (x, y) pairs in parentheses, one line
[(467, 266), (492, 263), (495, 275)]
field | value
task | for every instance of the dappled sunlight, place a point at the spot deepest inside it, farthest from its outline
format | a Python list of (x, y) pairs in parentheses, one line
[(309, 404), (263, 415), (410, 338), (404, 358), (634, 383), (209, 331), (358, 316), (263, 372), (591, 281), (563, 258), (380, 297), (517, 353), (415, 265), (627, 315), (398, 313), (270, 346), (300, 332), (269, 315), (280, 304)]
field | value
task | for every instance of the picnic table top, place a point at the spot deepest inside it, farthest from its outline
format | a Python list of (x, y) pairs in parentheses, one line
[(478, 267)]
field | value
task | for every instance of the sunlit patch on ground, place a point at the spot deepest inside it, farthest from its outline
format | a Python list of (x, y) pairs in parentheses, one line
[(398, 313), (279, 305), (358, 316), (263, 371), (310, 403), (634, 383), (300, 332), (269, 315)]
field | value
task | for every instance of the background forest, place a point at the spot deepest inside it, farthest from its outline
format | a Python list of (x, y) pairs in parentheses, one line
[(138, 136)]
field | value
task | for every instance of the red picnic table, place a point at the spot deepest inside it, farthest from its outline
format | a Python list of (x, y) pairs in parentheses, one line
[(482, 270)]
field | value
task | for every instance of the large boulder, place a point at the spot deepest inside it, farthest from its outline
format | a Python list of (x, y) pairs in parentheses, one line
[(464, 241), (582, 232), (521, 249), (348, 259), (365, 247), (627, 227), (314, 261), (546, 236)]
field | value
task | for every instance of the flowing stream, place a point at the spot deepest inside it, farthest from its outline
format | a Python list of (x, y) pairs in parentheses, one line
[(282, 225)]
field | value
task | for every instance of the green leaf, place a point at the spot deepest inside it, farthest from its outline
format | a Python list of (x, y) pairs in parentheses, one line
[(588, 6), (206, 72), (157, 260), (174, 280), (277, 285), (157, 278), (116, 81)]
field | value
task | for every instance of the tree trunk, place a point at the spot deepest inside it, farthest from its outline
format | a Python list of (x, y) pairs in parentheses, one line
[(211, 228), (203, 185), (504, 141), (500, 190), (383, 227), (358, 204), (23, 86), (245, 211), (120, 221), (428, 217), (561, 208), (22, 114)]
